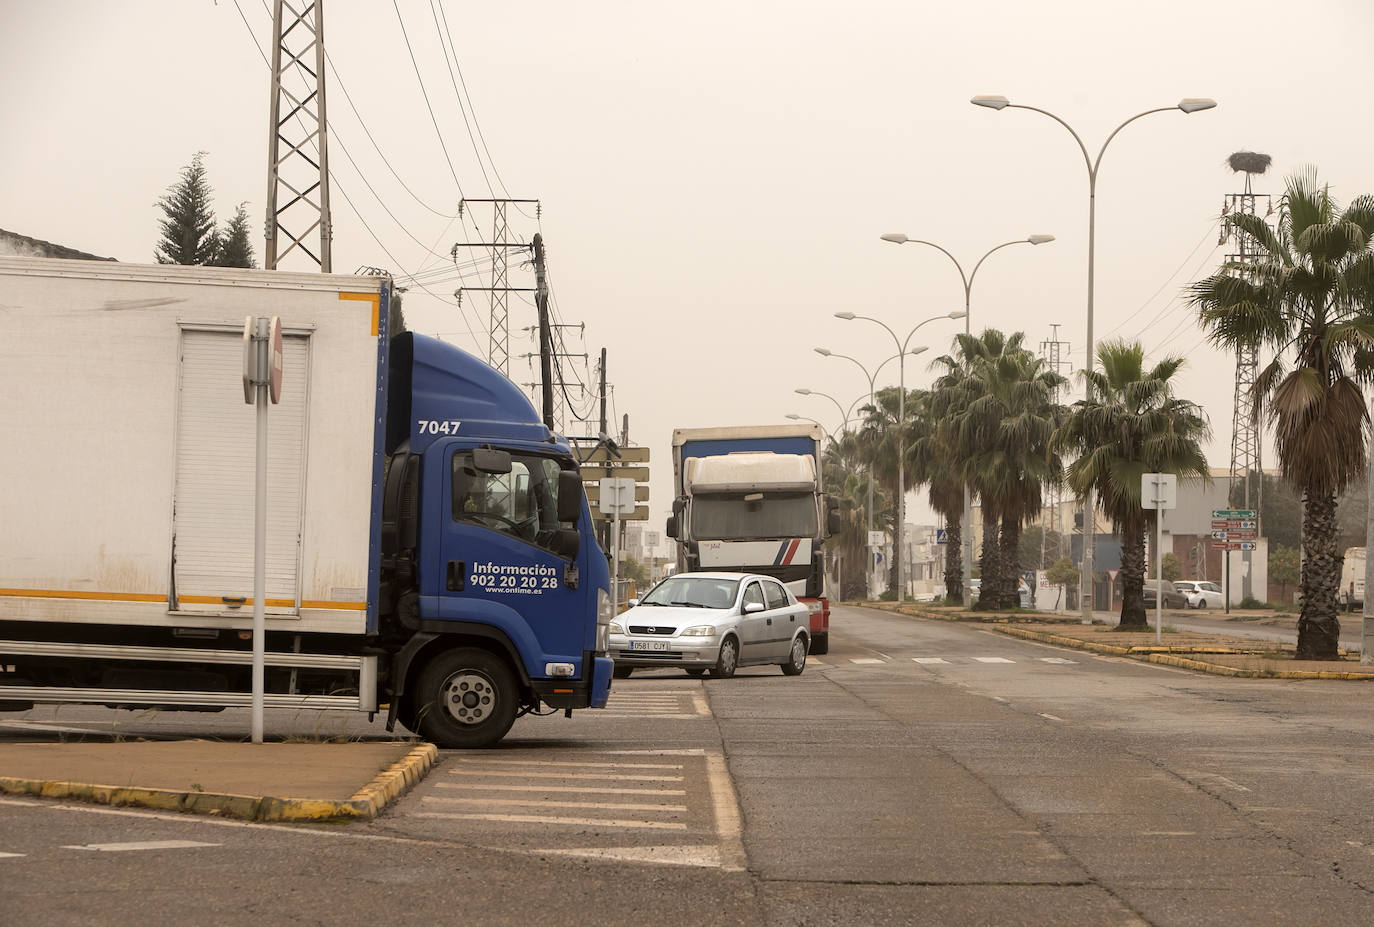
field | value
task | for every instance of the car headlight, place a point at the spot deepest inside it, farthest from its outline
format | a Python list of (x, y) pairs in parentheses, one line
[(615, 628), (701, 630)]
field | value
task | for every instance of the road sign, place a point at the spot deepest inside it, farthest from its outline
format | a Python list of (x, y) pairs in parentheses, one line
[(603, 455), (617, 496), (941, 536), (634, 474), (1247, 545), (1218, 535), (1233, 513), (1240, 534), (1159, 490), (1228, 545), (594, 493), (640, 513), (876, 539)]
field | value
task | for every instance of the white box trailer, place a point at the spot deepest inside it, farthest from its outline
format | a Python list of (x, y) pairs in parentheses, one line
[(130, 471)]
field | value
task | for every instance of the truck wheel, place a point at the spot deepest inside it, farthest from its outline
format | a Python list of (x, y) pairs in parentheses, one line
[(622, 672), (728, 661), (466, 698), (820, 643), (796, 659)]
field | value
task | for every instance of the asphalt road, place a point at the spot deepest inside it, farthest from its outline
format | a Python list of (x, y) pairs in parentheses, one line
[(921, 772)]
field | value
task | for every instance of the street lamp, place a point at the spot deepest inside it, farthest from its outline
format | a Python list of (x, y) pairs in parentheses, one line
[(872, 378), (1186, 105), (901, 425), (897, 238)]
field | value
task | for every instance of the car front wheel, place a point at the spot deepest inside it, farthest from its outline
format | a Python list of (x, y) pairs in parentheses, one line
[(728, 661), (796, 660)]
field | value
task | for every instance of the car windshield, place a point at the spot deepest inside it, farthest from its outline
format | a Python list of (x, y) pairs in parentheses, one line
[(693, 592)]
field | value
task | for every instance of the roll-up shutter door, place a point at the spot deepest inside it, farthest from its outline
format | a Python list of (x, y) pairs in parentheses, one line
[(215, 477)]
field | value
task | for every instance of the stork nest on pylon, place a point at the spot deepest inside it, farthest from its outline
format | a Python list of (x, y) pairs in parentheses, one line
[(1249, 162)]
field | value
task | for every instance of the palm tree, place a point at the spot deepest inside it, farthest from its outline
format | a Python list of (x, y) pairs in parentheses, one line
[(879, 438), (846, 477), (1309, 298), (1005, 416), (1132, 425), (933, 464)]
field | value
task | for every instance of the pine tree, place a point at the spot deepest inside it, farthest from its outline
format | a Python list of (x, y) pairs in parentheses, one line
[(188, 225), (236, 250)]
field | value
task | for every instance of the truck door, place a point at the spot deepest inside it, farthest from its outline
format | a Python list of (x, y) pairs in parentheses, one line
[(501, 559), (216, 446)]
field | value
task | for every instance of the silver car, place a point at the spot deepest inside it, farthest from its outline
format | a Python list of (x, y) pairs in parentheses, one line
[(714, 622), (1200, 593)]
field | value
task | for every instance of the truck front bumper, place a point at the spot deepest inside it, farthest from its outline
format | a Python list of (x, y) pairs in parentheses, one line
[(591, 691)]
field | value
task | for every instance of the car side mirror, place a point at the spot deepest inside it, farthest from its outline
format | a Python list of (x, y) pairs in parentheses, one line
[(634, 602), (569, 496), (751, 607)]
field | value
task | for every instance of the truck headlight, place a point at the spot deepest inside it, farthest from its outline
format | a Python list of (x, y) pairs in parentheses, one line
[(605, 611), (701, 630)]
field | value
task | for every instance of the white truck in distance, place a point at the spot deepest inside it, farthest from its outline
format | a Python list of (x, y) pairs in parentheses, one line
[(749, 499)]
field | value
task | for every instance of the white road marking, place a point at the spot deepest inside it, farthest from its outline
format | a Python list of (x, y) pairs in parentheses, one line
[(142, 845), (518, 802), (993, 660), (1236, 786), (866, 660), (1051, 717), (998, 698), (580, 789), (486, 762), (706, 857), (549, 819), (598, 778), (1168, 833), (1055, 660), (812, 661), (930, 660), (10, 855)]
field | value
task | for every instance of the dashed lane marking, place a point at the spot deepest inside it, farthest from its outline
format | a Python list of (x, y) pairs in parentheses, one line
[(866, 660), (993, 660), (10, 855), (1058, 660), (142, 845), (929, 660), (1050, 717)]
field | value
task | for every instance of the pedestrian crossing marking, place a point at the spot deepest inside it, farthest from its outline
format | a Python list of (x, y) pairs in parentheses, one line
[(930, 660), (1055, 660), (866, 660), (549, 819), (993, 660), (525, 802), (581, 789)]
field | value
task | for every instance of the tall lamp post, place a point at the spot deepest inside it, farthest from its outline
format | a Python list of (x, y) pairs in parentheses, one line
[(872, 378), (897, 238), (1186, 105), (901, 428)]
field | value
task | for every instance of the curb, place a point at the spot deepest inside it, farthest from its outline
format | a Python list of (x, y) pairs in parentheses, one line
[(365, 804), (1152, 655)]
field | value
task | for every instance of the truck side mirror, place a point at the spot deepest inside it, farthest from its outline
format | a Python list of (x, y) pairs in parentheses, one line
[(670, 528), (569, 496), (832, 515)]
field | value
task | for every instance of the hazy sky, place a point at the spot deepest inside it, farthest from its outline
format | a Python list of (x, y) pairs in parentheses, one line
[(714, 176)]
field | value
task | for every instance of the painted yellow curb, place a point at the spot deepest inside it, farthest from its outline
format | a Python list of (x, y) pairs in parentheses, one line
[(1152, 655), (365, 804)]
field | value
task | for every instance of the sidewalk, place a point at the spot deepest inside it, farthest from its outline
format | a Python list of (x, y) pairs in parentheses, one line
[(1221, 649), (256, 782)]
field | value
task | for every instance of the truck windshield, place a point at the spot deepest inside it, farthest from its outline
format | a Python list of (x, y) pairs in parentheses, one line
[(522, 503), (694, 591), (729, 517)]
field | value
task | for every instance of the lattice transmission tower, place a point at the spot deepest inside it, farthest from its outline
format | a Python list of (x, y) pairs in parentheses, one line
[(297, 149), (1055, 353), (500, 246), (1246, 436)]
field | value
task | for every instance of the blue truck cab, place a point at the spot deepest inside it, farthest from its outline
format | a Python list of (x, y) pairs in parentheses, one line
[(493, 594)]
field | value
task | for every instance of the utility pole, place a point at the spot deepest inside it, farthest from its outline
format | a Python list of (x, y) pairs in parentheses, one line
[(541, 302), (297, 135), (1054, 352)]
